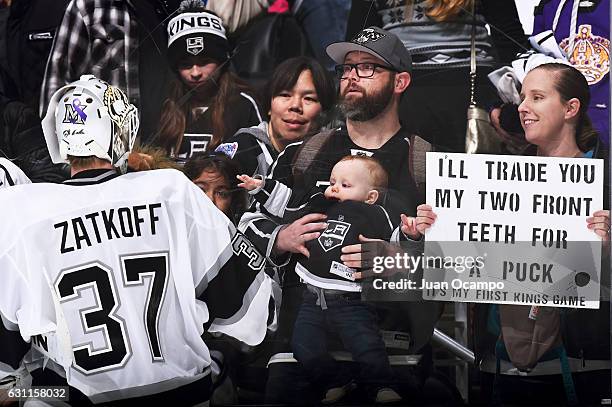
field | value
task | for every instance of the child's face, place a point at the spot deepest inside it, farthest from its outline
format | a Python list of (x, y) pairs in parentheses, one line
[(351, 180), (216, 187), (195, 72)]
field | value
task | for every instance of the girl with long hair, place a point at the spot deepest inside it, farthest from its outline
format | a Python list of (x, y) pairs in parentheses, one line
[(206, 102)]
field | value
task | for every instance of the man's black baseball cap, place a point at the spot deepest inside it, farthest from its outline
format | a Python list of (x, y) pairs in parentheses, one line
[(377, 42)]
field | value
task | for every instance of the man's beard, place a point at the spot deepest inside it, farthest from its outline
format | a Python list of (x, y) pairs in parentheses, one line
[(368, 106)]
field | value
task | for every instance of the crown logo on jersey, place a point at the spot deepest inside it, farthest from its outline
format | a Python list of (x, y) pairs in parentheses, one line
[(591, 54), (367, 35), (195, 45), (75, 112), (334, 234)]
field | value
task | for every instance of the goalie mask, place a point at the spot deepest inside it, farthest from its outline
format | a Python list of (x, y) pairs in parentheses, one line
[(89, 117)]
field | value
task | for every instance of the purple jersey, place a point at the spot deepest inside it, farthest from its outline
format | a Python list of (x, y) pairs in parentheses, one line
[(590, 52)]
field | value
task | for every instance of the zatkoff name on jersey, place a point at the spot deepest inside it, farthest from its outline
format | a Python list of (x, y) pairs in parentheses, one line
[(107, 224)]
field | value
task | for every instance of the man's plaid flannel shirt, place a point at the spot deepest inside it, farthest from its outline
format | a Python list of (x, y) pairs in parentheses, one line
[(97, 37)]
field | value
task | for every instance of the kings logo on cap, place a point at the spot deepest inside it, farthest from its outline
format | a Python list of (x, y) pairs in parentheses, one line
[(367, 35), (195, 45)]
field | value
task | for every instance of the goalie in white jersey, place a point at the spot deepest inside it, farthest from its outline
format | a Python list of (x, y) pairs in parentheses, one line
[(113, 278)]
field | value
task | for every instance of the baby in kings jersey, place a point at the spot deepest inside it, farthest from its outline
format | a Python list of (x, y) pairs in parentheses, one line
[(333, 296)]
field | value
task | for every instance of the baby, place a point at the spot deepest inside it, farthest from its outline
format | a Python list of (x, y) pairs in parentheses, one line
[(333, 296), (356, 183)]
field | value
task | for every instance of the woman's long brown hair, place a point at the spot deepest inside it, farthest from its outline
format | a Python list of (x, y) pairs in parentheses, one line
[(177, 111)]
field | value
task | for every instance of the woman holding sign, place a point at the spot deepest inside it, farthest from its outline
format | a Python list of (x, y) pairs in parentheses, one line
[(553, 113)]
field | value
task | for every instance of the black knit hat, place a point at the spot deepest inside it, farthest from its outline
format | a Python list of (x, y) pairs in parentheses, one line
[(197, 33)]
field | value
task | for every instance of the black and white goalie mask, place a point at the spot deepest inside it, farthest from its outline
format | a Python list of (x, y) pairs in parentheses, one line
[(89, 117)]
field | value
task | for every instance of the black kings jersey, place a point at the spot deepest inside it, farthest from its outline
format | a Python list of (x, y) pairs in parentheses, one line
[(251, 149), (241, 111), (393, 155), (345, 222)]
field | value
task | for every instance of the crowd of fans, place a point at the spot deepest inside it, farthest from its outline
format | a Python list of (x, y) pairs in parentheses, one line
[(331, 138)]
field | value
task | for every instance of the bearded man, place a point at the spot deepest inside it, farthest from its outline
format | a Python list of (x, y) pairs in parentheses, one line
[(374, 71)]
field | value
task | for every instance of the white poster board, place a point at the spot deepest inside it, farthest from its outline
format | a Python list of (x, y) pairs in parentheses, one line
[(513, 230)]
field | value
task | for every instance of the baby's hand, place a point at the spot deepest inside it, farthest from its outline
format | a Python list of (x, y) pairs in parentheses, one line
[(249, 183), (415, 227), (409, 227)]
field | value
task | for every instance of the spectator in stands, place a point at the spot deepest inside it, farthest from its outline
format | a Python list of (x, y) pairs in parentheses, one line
[(553, 113), (27, 31), (237, 13), (206, 103), (356, 182), (437, 33), (298, 97), (585, 40), (324, 22), (27, 39), (146, 157), (557, 125), (215, 174), (374, 71), (120, 42)]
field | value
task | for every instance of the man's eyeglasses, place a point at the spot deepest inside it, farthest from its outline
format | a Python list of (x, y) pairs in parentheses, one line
[(363, 69)]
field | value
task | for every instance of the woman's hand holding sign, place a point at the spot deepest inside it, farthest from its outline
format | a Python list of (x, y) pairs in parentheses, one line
[(599, 223)]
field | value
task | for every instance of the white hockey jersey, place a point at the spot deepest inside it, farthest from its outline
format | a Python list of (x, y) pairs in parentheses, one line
[(11, 175), (116, 279)]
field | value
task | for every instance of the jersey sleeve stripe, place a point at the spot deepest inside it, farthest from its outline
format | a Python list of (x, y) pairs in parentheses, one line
[(214, 269), (279, 199), (244, 324), (250, 99), (288, 147), (7, 174)]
